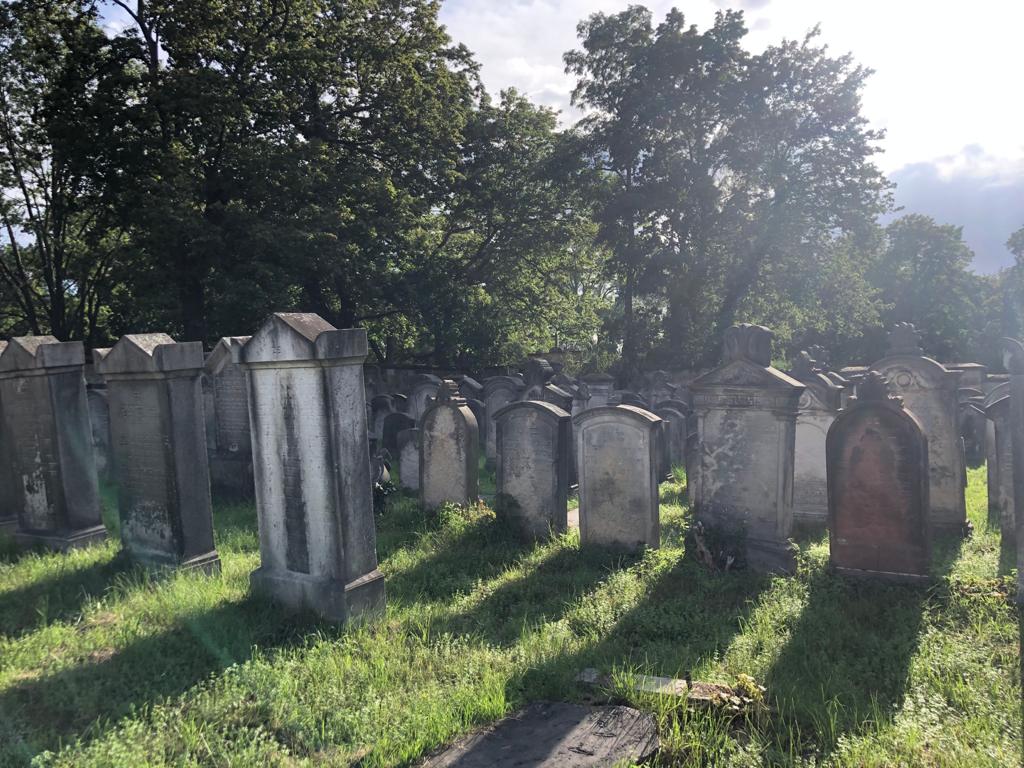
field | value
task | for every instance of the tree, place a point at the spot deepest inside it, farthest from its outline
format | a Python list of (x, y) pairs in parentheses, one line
[(63, 91), (730, 171)]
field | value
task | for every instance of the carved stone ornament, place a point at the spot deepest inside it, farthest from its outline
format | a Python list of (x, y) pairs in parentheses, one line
[(749, 342)]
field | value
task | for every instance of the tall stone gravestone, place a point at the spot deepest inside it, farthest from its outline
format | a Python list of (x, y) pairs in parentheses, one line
[(1000, 488), (818, 406), (159, 448), (449, 452), (746, 438), (929, 391), (231, 473), (533, 471), (409, 459), (46, 428), (314, 493), (1013, 360), (878, 486), (499, 391), (617, 456), (8, 501)]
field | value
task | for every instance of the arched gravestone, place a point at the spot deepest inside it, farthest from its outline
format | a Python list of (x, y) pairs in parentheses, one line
[(878, 486), (448, 451), (617, 457), (394, 423), (742, 482), (231, 473), (817, 409), (499, 391), (409, 459), (1000, 489), (422, 394), (1013, 360), (314, 493), (46, 427), (533, 472), (158, 437), (929, 392)]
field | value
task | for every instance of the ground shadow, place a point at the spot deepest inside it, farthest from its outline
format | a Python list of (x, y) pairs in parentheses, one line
[(846, 662), (45, 711), (946, 550), (1007, 555)]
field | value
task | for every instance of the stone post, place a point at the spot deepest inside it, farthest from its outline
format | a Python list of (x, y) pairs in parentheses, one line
[(158, 439), (311, 458), (47, 431)]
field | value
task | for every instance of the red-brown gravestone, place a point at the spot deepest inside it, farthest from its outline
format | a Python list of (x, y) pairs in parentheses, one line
[(877, 466)]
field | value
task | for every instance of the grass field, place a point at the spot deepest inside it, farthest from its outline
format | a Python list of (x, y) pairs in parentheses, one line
[(102, 665)]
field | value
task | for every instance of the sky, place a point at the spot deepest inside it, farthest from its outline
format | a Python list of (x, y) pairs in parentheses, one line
[(946, 89)]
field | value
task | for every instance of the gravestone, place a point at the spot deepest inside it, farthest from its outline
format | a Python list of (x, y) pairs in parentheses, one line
[(929, 391), (1000, 488), (46, 428), (159, 445), (817, 409), (878, 485), (742, 479), (617, 457), (448, 451), (499, 391), (659, 387), (394, 423), (422, 394), (409, 459), (470, 388), (675, 432), (1013, 361), (314, 494), (381, 406), (8, 502), (599, 388), (972, 424), (533, 472), (536, 374), (231, 472)]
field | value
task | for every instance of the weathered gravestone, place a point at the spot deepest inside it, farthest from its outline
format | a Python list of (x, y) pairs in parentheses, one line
[(878, 486), (533, 472), (536, 374), (394, 424), (1013, 360), (422, 394), (99, 421), (599, 388), (449, 452), (231, 473), (381, 406), (929, 391), (617, 457), (746, 433), (1000, 488), (818, 406), (8, 501), (46, 427), (314, 494), (499, 391), (409, 459), (470, 388), (159, 447), (675, 430)]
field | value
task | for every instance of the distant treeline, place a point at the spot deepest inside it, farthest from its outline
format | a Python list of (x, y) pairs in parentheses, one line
[(217, 161)]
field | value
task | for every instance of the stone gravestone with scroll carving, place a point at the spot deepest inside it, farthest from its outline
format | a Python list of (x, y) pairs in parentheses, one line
[(746, 436), (314, 492), (878, 486), (46, 428), (231, 446), (818, 407), (929, 391), (533, 471), (1013, 360), (158, 439), (448, 451), (617, 450)]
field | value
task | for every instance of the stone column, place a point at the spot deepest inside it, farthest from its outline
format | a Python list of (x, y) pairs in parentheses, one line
[(1013, 360), (158, 439), (533, 472), (231, 454), (47, 431), (311, 459), (449, 452), (746, 439)]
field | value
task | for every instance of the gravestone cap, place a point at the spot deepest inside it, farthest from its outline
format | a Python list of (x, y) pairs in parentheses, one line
[(904, 339), (148, 353), (749, 342), (448, 394), (874, 388), (25, 353), (469, 386)]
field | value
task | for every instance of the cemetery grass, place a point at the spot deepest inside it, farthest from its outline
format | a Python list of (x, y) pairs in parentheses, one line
[(102, 665)]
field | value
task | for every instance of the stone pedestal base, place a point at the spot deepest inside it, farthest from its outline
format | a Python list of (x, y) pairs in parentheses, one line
[(764, 556), (328, 598), (61, 541), (208, 562)]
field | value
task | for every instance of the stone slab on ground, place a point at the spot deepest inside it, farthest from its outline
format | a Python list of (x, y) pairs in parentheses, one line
[(556, 734)]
